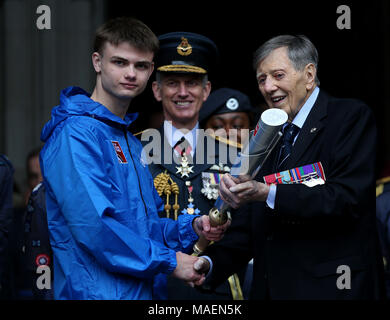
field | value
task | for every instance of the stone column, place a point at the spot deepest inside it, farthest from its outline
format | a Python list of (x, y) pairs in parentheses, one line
[(36, 64)]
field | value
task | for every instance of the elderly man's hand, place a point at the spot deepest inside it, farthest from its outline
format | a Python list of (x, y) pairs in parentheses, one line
[(203, 228), (201, 266), (237, 191)]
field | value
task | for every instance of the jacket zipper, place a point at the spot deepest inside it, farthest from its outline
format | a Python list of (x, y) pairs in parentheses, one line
[(136, 172)]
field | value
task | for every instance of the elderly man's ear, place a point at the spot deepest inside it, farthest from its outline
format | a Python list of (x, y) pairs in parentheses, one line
[(310, 74)]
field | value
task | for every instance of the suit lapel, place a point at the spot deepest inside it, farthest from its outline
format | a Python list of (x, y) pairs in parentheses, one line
[(311, 128)]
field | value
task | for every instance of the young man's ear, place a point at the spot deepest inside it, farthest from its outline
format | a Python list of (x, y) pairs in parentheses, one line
[(96, 61)]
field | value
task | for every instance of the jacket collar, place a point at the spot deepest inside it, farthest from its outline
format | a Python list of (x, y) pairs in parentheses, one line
[(75, 101), (311, 128)]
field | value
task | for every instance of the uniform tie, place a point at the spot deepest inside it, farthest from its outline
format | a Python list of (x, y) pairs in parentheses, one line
[(289, 133), (183, 147)]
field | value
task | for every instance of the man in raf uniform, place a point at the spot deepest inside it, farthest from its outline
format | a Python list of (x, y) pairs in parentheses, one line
[(186, 164)]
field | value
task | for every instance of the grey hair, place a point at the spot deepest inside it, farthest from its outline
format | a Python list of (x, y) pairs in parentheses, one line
[(160, 75), (300, 50)]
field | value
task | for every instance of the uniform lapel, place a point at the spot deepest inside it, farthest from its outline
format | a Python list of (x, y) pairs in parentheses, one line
[(174, 162), (202, 154), (199, 162), (165, 148)]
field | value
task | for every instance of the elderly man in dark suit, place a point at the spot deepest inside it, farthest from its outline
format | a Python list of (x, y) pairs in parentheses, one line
[(310, 238)]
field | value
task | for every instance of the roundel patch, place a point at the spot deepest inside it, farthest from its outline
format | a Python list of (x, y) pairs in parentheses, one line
[(232, 104), (42, 260)]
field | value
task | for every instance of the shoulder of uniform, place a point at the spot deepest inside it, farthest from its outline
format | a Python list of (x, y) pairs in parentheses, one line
[(383, 180), (224, 140), (380, 185), (139, 134)]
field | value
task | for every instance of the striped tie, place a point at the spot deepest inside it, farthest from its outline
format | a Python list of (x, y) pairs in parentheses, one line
[(289, 133), (183, 147)]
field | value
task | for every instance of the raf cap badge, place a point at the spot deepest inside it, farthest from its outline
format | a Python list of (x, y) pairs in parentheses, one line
[(184, 48)]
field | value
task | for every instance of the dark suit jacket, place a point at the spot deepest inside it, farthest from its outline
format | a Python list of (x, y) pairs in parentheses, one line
[(298, 246)]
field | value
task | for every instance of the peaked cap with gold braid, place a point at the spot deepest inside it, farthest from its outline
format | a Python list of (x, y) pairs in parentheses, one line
[(185, 52)]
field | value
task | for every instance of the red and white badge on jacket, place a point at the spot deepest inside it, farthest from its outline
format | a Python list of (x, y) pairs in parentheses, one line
[(119, 153)]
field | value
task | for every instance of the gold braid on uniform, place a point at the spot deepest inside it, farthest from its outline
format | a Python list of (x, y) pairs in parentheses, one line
[(165, 185), (234, 282), (167, 192), (175, 191), (160, 181), (235, 287), (380, 186)]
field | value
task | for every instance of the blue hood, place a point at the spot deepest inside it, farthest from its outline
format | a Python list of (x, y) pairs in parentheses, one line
[(75, 101)]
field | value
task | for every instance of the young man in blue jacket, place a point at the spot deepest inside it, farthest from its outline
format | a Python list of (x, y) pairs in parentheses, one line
[(107, 239)]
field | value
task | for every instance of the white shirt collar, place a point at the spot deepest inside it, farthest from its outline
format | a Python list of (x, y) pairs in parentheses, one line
[(173, 135), (301, 117)]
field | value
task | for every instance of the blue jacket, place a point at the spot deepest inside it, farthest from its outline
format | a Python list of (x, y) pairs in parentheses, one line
[(107, 239)]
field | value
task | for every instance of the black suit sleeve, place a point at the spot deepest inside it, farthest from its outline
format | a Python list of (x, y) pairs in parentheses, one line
[(348, 152), (234, 251)]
